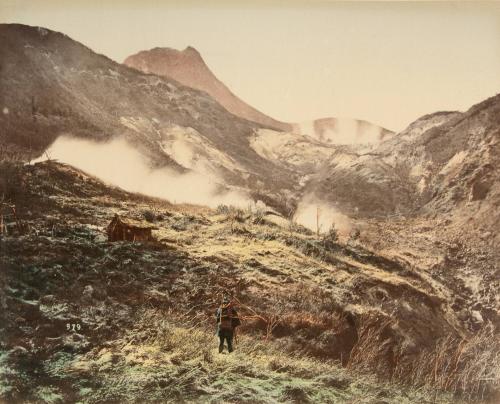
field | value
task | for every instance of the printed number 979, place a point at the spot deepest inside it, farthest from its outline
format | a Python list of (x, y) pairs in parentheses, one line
[(73, 327)]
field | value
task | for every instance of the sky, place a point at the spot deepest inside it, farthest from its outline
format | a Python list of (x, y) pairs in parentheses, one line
[(388, 63)]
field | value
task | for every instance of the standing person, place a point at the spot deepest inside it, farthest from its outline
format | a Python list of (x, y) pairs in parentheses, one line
[(227, 321)]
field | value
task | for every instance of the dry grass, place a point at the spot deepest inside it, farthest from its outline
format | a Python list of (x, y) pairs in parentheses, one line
[(469, 367), (368, 344), (178, 361), (373, 346)]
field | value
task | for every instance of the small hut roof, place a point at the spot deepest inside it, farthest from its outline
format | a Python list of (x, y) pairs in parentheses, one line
[(137, 224)]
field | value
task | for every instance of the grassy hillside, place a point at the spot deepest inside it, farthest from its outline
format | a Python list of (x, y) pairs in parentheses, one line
[(324, 321)]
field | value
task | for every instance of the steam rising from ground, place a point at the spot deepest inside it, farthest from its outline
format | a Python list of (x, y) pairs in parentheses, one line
[(312, 212), (343, 131), (118, 163)]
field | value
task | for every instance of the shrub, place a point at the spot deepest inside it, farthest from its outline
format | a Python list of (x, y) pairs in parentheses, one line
[(236, 214), (222, 209), (258, 215), (12, 187), (232, 212), (149, 215), (332, 235)]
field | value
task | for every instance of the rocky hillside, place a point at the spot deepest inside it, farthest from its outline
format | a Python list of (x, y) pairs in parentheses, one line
[(430, 195), (94, 321), (189, 68), (441, 162), (52, 85)]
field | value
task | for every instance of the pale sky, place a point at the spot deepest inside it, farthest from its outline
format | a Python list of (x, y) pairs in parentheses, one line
[(388, 63)]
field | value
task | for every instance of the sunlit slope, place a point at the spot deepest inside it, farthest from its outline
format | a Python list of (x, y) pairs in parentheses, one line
[(301, 295)]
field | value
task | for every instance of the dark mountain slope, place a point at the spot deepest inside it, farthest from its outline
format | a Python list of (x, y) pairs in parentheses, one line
[(52, 85)]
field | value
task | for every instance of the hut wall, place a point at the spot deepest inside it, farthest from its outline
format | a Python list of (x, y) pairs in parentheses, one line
[(121, 232)]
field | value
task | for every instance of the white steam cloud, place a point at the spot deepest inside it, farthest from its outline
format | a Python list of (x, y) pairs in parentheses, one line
[(314, 213), (342, 131), (119, 164)]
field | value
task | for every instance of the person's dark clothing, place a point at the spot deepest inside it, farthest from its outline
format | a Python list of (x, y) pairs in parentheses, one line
[(227, 321), (228, 336)]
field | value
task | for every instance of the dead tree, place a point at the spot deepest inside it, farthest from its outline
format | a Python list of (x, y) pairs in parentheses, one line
[(270, 320)]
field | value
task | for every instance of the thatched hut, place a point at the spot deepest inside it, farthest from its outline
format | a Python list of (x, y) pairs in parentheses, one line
[(124, 229)]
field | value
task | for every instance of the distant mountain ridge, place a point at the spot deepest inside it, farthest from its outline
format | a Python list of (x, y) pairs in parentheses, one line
[(189, 68)]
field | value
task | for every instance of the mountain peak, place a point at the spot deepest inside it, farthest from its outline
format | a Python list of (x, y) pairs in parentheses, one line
[(192, 50), (188, 67), (169, 52)]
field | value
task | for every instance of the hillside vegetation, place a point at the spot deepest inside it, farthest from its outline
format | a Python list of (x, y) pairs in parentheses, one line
[(323, 320)]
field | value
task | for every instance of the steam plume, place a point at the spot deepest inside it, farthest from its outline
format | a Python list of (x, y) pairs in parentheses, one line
[(313, 213), (119, 164)]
